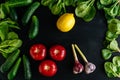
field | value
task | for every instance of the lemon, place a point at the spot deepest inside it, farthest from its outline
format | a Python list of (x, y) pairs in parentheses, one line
[(66, 22)]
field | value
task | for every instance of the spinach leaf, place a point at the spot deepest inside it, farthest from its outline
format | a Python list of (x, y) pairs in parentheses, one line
[(3, 32), (8, 22), (12, 35), (82, 9), (113, 45), (90, 15), (113, 10), (68, 2), (106, 54), (116, 60), (99, 5), (11, 43), (8, 50), (56, 9), (86, 10), (46, 2), (110, 69), (106, 2), (111, 35), (4, 11), (8, 46), (114, 26)]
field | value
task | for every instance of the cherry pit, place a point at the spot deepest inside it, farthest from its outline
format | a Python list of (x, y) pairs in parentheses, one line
[(47, 67)]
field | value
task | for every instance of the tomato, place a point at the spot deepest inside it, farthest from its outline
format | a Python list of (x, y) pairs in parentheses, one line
[(58, 52), (38, 51), (48, 68)]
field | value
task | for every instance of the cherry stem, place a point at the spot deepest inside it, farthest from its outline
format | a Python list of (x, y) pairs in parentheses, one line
[(80, 52)]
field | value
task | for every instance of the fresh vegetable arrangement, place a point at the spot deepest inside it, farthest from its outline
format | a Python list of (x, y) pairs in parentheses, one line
[(83, 8), (113, 68), (10, 42), (111, 9)]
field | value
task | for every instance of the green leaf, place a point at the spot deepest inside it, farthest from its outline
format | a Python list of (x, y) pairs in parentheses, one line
[(113, 10), (113, 45), (82, 9), (68, 2), (110, 69), (3, 32), (111, 35), (99, 5), (106, 2), (12, 35), (106, 53), (91, 14), (46, 2), (8, 50), (116, 60), (56, 9), (114, 26), (12, 43), (5, 55), (4, 11)]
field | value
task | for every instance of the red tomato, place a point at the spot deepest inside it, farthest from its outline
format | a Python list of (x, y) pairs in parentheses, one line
[(38, 51), (48, 68), (58, 52)]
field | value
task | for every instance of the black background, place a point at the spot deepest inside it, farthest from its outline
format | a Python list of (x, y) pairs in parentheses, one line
[(88, 36)]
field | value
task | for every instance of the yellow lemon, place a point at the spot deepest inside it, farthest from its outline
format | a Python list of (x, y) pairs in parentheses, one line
[(66, 22)]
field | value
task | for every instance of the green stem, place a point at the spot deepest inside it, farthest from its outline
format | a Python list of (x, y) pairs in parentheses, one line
[(74, 53), (64, 7), (59, 1), (80, 52)]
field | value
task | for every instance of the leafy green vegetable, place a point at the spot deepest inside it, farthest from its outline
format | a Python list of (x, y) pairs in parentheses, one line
[(112, 11), (8, 22), (4, 28), (88, 17), (4, 11), (106, 53), (46, 2), (112, 69), (12, 35), (114, 45), (56, 9), (9, 46), (68, 2), (86, 10), (99, 5), (116, 60), (3, 31), (111, 35), (106, 2), (114, 26), (14, 43)]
